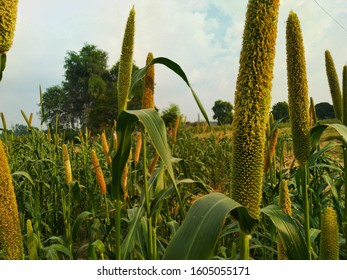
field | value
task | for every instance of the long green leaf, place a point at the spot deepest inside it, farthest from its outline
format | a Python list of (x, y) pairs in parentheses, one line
[(155, 127), (24, 174), (125, 127), (288, 232), (312, 159), (78, 222), (317, 132), (198, 234), (174, 67), (135, 216)]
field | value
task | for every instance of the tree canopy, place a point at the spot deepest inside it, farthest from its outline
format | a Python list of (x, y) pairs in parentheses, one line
[(324, 110), (170, 114), (223, 112), (281, 111), (88, 94)]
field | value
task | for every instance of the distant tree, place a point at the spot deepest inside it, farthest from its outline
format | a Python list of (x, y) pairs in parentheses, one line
[(20, 129), (85, 74), (281, 111), (324, 110), (88, 94), (54, 101), (223, 112), (170, 114)]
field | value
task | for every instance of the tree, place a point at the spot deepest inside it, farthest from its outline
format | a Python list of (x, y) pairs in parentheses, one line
[(281, 111), (170, 114), (55, 104), (88, 94), (324, 110), (223, 112), (85, 74), (20, 129)]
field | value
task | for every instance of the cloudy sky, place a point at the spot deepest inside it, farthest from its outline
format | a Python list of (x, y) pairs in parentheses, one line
[(203, 36)]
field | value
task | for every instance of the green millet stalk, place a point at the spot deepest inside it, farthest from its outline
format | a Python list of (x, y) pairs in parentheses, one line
[(329, 238), (31, 242), (313, 115), (252, 103), (148, 89), (126, 62), (8, 17), (3, 121), (334, 85), (285, 204), (297, 89), (344, 95), (10, 229)]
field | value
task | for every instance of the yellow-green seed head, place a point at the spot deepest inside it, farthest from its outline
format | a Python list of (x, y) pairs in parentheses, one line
[(284, 201), (313, 114), (138, 147), (98, 171), (10, 229), (334, 85), (8, 17), (285, 204), (105, 147), (126, 62), (297, 89), (67, 165), (344, 95), (31, 242), (252, 103), (148, 89), (329, 237), (3, 121)]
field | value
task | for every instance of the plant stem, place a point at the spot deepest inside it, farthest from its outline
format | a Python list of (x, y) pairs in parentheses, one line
[(306, 204), (118, 229), (345, 179), (148, 208), (244, 245)]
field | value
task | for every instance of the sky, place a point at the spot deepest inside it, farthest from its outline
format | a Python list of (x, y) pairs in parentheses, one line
[(204, 37)]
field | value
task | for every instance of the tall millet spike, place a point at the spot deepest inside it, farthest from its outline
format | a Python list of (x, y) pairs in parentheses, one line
[(297, 89), (8, 17), (126, 62), (285, 204), (344, 95), (252, 103), (148, 89), (10, 230), (313, 114), (334, 85), (98, 171), (67, 165), (329, 237)]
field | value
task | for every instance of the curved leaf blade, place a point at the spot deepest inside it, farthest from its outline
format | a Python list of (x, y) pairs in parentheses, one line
[(288, 232), (78, 222), (198, 234), (174, 67)]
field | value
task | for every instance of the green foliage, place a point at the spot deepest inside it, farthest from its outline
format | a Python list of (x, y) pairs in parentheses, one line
[(170, 114), (88, 95), (344, 95), (223, 112), (281, 111), (324, 110), (20, 129)]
